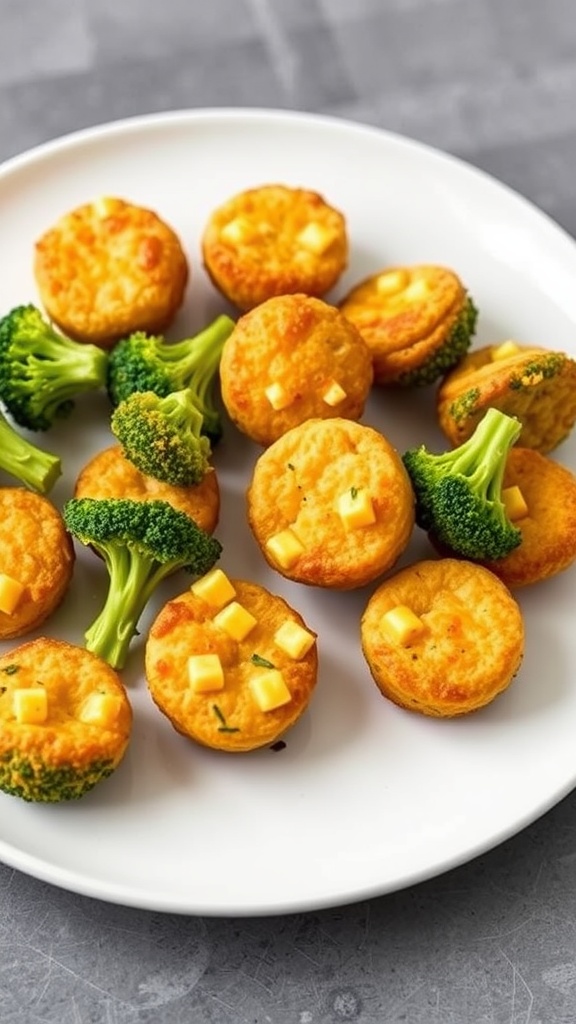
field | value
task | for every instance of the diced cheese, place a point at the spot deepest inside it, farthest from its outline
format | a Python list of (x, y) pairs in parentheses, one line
[(417, 290), (215, 588), (391, 282), (285, 547), (356, 509), (99, 709), (277, 395), (503, 351), (514, 503), (235, 620), (293, 639), (334, 393), (205, 673), (402, 624), (11, 591), (237, 231), (315, 237), (269, 689), (30, 705), (104, 206)]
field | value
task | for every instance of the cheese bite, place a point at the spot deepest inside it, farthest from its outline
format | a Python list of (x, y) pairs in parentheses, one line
[(36, 560), (274, 240), (231, 665), (291, 359), (109, 474), (108, 268), (330, 504), (65, 721), (442, 637)]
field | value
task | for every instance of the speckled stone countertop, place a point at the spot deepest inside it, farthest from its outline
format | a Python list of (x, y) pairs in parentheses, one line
[(494, 941)]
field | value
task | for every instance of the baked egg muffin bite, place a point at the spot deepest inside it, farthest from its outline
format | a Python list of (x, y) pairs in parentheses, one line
[(36, 560), (274, 240), (231, 665), (65, 721), (290, 359), (330, 504), (418, 321), (442, 637), (108, 268), (536, 385), (109, 474)]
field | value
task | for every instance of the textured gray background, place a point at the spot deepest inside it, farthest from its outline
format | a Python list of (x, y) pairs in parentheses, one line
[(493, 942)]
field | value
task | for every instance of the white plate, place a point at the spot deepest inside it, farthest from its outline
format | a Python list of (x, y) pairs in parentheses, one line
[(366, 798)]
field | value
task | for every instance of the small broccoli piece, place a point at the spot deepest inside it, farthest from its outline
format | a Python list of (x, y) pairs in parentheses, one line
[(543, 366), (41, 371), (145, 362), (141, 543), (454, 347), (28, 777), (458, 493), (162, 436), (30, 465)]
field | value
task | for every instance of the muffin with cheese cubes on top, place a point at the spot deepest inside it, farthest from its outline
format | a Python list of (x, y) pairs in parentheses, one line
[(442, 637), (231, 665), (330, 504), (291, 359), (274, 240), (65, 721)]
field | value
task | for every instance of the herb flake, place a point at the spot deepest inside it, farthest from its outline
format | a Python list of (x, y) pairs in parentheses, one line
[(257, 659)]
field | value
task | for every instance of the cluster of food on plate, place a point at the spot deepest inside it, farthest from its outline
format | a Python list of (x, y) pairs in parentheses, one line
[(331, 502)]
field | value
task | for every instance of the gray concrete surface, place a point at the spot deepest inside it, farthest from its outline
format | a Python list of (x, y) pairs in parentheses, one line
[(493, 942)]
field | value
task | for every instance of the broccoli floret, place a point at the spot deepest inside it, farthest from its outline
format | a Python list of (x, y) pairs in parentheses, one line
[(30, 465), (29, 778), (450, 353), (162, 436), (458, 493), (141, 543), (145, 362), (41, 371)]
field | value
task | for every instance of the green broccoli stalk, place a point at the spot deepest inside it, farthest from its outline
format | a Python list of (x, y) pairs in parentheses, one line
[(449, 353), (458, 493), (144, 362), (41, 371), (141, 542), (31, 465), (162, 436)]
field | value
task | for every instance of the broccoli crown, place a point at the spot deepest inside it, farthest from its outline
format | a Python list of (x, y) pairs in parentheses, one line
[(141, 543), (454, 347), (41, 371), (458, 493), (30, 465), (162, 436), (144, 362), (33, 780)]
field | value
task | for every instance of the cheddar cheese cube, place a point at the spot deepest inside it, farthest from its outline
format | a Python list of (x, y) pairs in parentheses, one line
[(30, 705), (205, 673), (11, 591), (215, 588), (333, 394), (316, 238), (402, 624), (293, 639), (235, 620), (269, 690), (514, 503), (277, 395), (391, 282), (503, 351), (99, 709), (285, 547), (356, 509)]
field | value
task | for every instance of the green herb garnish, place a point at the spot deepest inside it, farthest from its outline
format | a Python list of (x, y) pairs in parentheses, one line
[(11, 669), (353, 493), (257, 659), (224, 727)]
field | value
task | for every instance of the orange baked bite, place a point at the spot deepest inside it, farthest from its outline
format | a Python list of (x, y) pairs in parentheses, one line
[(36, 560), (109, 474), (108, 268), (330, 504), (418, 321), (442, 637), (536, 385), (274, 240), (230, 664), (291, 359), (65, 721)]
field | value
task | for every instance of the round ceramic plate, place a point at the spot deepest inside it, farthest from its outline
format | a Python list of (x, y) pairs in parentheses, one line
[(365, 798)]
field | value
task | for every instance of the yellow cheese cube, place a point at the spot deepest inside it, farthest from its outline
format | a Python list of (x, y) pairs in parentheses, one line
[(503, 351), (316, 238), (402, 624), (30, 706), (391, 282), (514, 503), (235, 620), (293, 639), (333, 394), (269, 690), (356, 509), (215, 588), (237, 231), (277, 396), (285, 547), (417, 290), (99, 709), (104, 206), (205, 673), (10, 593)]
